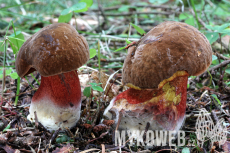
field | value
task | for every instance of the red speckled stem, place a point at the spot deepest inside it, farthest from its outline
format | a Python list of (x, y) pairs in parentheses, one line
[(166, 112), (63, 90)]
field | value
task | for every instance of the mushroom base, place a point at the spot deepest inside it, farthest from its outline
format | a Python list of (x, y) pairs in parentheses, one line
[(57, 102), (164, 108)]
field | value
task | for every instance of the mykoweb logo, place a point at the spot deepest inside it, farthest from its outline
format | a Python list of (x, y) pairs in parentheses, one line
[(150, 138), (207, 130)]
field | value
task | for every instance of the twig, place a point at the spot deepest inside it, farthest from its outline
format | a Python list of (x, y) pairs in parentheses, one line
[(101, 136), (37, 76), (119, 120), (97, 113), (222, 56), (201, 21), (54, 136), (36, 119), (69, 133), (224, 63), (103, 15)]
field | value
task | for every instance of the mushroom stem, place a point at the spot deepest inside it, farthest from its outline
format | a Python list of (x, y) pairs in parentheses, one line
[(57, 101), (163, 107)]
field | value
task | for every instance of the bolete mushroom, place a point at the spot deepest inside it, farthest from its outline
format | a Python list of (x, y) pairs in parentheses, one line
[(156, 69), (56, 51)]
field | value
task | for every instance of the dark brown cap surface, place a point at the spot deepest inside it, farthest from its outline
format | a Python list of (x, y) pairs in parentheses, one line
[(164, 50), (55, 49)]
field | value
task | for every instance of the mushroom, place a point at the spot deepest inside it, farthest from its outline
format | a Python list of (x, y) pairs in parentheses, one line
[(156, 69), (56, 51)]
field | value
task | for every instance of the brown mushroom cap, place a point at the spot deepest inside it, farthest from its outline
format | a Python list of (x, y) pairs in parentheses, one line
[(164, 50), (55, 49)]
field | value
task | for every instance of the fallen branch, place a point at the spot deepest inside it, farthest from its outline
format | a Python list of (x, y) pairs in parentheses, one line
[(101, 136), (224, 63)]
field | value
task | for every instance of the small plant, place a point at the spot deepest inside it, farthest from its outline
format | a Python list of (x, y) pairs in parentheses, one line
[(81, 6), (64, 138), (16, 40), (138, 29), (94, 86)]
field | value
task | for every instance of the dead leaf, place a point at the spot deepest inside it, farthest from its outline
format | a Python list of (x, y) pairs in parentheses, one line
[(7, 148), (65, 149)]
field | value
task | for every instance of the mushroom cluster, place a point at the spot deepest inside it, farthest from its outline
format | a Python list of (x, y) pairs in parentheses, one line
[(156, 69), (56, 51)]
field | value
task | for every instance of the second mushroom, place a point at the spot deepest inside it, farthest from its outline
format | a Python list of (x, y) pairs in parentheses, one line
[(156, 69)]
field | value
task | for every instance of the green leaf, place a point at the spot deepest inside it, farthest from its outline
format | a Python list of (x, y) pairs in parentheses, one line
[(89, 122), (124, 8), (200, 85), (140, 30), (214, 60), (8, 71), (63, 138), (87, 91), (14, 75), (214, 57), (185, 150), (89, 3), (212, 36), (93, 84), (14, 42), (119, 49), (219, 29), (192, 77), (128, 42), (7, 127), (92, 53), (83, 9), (66, 11), (190, 21), (79, 7), (227, 70), (215, 96), (228, 83), (183, 16), (65, 18), (98, 88), (76, 7)]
